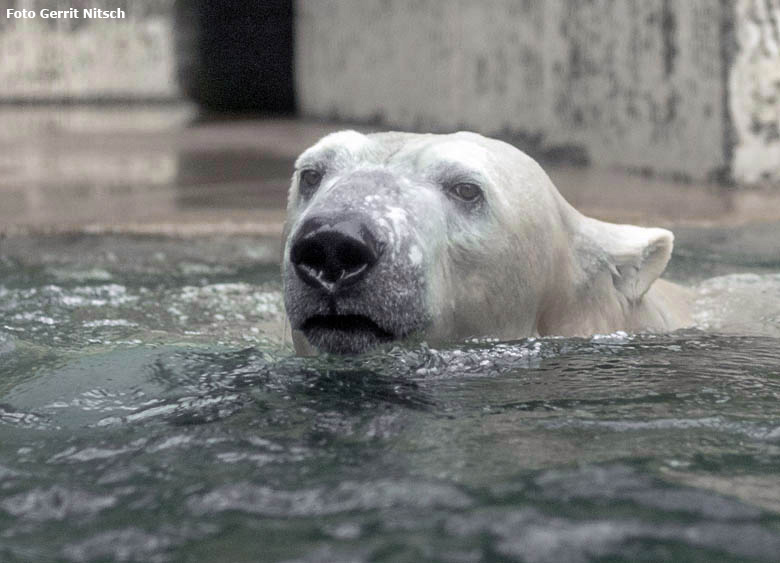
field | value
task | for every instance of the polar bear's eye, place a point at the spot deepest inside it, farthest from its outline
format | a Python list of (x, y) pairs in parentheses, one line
[(310, 179), (466, 191)]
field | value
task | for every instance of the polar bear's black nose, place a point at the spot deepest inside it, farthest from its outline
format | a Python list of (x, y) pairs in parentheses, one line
[(332, 255)]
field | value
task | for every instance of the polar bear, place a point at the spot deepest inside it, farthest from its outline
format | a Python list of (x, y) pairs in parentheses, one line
[(394, 236)]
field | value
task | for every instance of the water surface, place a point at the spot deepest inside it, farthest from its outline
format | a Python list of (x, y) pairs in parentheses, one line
[(150, 411)]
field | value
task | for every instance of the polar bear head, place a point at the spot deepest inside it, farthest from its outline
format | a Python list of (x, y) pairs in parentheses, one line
[(391, 236)]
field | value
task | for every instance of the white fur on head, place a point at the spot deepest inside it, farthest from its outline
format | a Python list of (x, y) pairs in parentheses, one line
[(524, 262), (636, 256)]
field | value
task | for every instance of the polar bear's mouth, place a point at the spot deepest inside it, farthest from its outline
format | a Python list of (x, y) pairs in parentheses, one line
[(346, 323), (345, 334)]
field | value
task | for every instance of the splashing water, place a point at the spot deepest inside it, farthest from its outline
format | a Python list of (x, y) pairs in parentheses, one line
[(150, 410)]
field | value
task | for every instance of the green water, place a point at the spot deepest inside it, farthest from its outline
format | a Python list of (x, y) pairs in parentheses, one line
[(150, 411)]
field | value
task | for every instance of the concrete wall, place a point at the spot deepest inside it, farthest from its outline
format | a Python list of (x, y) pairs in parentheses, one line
[(754, 92), (664, 86), (87, 59), (687, 88)]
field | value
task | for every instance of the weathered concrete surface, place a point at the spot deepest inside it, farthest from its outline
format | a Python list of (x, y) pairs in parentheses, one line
[(159, 171), (754, 91), (648, 85), (87, 59)]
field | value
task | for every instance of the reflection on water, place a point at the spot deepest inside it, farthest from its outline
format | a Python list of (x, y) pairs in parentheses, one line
[(103, 169), (150, 411)]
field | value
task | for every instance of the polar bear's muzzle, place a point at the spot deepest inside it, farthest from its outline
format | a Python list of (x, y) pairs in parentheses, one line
[(331, 254), (348, 288)]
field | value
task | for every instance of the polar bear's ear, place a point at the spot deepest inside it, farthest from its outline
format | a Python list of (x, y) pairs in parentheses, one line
[(636, 256)]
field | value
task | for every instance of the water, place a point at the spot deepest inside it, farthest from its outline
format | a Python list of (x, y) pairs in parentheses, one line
[(150, 411)]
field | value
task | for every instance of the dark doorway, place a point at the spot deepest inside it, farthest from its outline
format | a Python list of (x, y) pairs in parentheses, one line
[(235, 55)]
